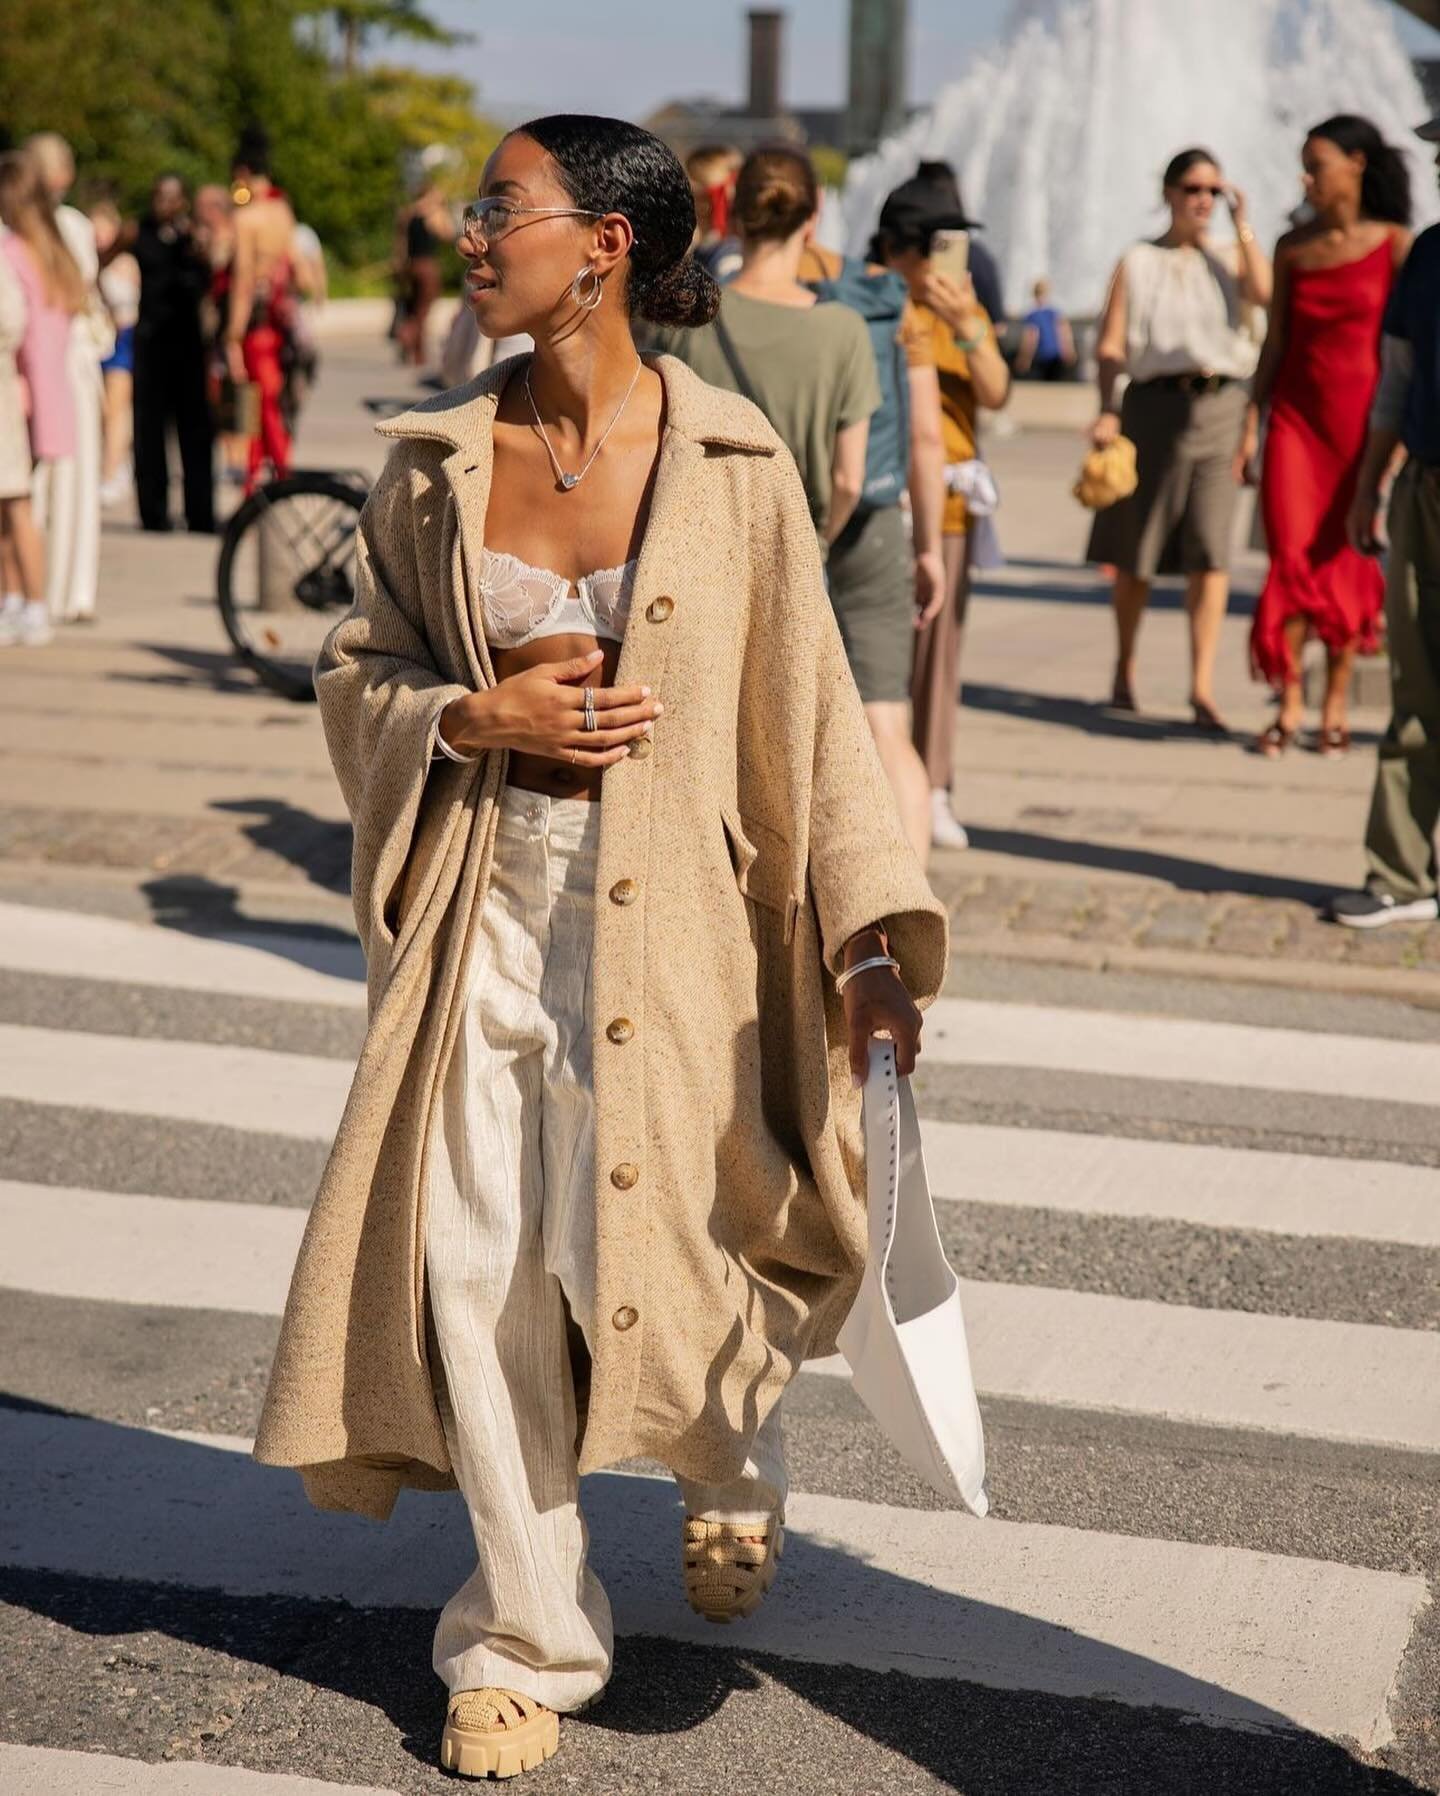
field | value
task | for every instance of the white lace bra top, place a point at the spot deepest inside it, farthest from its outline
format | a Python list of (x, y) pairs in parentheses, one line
[(521, 602)]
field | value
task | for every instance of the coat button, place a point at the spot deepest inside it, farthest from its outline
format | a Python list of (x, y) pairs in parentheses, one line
[(640, 747), (624, 891), (626, 1174), (625, 1317), (620, 1030), (659, 609)]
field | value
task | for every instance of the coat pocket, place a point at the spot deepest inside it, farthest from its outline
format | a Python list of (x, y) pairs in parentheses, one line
[(760, 857)]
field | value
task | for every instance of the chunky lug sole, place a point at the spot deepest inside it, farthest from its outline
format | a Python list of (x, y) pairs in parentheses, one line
[(758, 1577), (500, 1751)]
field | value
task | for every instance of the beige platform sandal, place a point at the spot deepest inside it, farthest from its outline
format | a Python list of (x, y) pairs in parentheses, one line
[(729, 1566), (497, 1733)]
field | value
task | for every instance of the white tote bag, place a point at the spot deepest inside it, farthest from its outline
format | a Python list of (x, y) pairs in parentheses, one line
[(905, 1336)]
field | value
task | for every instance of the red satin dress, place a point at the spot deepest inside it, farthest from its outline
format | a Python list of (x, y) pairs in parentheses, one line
[(1319, 412)]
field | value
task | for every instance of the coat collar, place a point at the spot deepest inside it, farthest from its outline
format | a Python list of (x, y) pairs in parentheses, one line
[(463, 417)]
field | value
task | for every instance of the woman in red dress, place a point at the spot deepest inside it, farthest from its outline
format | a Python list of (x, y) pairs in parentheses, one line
[(1317, 375)]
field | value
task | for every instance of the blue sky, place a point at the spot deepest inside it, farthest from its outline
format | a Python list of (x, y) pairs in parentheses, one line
[(627, 56)]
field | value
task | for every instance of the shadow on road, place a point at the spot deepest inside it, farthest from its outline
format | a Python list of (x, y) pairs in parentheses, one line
[(1096, 718), (114, 1531), (215, 669), (1176, 870), (1087, 586), (204, 907), (318, 846)]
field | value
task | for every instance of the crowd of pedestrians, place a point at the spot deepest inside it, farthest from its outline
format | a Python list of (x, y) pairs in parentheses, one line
[(872, 372), (1307, 373), (116, 333)]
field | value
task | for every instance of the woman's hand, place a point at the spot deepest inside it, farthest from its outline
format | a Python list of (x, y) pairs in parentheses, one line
[(877, 1003), (955, 304), (1105, 429), (1247, 455), (929, 587), (541, 711), (1235, 200), (235, 362), (1362, 521)]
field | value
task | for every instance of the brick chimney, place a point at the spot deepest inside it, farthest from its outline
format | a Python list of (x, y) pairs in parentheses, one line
[(767, 32)]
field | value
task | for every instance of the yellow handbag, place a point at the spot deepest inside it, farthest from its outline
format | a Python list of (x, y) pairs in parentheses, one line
[(1107, 475)]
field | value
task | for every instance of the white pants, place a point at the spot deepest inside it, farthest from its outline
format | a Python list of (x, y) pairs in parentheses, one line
[(509, 1248), (67, 498)]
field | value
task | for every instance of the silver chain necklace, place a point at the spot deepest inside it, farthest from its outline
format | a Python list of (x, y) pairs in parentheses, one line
[(570, 481)]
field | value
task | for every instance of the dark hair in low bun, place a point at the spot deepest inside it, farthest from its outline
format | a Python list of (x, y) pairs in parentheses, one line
[(609, 165), (685, 293), (1385, 182), (775, 193)]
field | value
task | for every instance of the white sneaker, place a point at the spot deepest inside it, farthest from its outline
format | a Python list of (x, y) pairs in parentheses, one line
[(946, 829), (31, 629)]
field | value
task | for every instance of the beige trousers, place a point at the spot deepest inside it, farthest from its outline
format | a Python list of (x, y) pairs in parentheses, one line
[(510, 1255)]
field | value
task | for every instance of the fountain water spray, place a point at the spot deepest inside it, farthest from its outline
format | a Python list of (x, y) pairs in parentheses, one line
[(1060, 135)]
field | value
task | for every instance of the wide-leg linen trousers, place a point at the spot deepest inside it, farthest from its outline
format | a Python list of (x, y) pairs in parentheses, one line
[(509, 1250)]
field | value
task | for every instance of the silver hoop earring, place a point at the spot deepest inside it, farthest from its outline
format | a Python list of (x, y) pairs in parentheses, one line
[(587, 297)]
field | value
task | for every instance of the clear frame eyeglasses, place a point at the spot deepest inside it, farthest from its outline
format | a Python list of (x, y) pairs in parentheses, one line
[(487, 220)]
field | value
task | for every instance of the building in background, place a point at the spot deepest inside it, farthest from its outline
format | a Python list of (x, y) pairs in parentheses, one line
[(877, 81), (879, 60)]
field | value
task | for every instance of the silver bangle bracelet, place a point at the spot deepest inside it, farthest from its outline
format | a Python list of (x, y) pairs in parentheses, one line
[(861, 966)]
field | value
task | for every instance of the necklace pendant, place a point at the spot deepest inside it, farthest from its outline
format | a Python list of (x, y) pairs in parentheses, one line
[(569, 482)]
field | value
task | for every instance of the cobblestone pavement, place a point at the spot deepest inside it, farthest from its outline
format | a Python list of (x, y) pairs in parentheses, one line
[(1143, 915)]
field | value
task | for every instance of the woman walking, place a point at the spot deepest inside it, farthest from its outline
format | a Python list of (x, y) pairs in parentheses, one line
[(421, 228), (972, 374), (23, 613), (1317, 377), (634, 897), (120, 289), (1174, 322), (807, 365), (54, 293)]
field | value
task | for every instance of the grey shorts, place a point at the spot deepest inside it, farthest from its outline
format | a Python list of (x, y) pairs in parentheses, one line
[(872, 592), (1180, 518)]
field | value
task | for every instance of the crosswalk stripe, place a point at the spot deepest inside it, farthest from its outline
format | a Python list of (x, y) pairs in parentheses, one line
[(1023, 1606), (1337, 1381), (60, 1242), (969, 1032), (1213, 1187), (257, 1089), (52, 1771), (1340, 1381), (296, 967)]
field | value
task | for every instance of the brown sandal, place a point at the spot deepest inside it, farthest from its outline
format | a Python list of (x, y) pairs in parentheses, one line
[(729, 1566), (1333, 742), (1274, 740), (497, 1733)]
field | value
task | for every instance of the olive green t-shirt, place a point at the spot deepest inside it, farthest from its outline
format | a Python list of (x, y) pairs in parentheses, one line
[(812, 369)]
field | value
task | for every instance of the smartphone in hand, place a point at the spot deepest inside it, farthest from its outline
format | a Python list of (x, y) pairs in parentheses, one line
[(950, 254)]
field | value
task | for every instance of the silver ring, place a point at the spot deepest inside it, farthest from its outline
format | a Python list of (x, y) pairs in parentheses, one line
[(590, 723)]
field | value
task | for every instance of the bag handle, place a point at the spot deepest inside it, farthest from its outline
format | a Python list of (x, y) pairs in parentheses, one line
[(905, 1244), (732, 358)]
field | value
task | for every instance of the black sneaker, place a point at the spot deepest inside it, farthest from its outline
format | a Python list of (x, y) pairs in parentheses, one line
[(1371, 910)]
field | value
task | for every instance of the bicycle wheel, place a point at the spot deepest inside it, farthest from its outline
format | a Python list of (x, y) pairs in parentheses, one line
[(287, 574)]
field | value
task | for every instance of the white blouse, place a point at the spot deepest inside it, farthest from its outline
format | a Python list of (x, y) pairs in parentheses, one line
[(1184, 314)]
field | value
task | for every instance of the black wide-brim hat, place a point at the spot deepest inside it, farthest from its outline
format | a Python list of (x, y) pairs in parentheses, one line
[(921, 205)]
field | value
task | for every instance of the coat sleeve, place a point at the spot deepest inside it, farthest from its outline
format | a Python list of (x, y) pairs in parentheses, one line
[(380, 694), (861, 868)]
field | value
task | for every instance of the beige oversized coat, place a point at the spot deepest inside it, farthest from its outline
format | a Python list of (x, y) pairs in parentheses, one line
[(735, 858)]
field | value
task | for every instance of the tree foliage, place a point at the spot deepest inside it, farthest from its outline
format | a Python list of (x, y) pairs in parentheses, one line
[(140, 89)]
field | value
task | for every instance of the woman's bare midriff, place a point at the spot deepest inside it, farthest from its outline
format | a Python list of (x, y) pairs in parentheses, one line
[(538, 773)]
